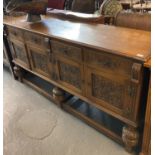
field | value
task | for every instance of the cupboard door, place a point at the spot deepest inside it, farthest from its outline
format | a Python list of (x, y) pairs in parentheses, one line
[(39, 59), (70, 74), (114, 92), (19, 53)]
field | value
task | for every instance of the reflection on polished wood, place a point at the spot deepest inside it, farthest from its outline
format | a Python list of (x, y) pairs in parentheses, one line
[(118, 40)]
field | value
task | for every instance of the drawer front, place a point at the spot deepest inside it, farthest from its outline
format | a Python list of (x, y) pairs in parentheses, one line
[(38, 40), (15, 33), (108, 62), (67, 50)]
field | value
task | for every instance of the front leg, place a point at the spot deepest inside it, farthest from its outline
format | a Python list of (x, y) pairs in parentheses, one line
[(58, 96), (130, 137), (18, 73)]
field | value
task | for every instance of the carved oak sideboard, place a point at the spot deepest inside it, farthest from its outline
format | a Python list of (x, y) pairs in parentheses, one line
[(100, 65)]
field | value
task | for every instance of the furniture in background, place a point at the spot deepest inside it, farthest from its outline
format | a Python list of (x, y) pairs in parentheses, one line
[(145, 7), (56, 4), (140, 21), (128, 4)]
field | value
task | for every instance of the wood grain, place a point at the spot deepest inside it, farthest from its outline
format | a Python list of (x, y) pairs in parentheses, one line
[(121, 41)]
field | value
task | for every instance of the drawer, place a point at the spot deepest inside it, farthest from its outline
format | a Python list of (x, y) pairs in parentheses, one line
[(108, 62), (15, 33), (37, 40), (67, 50)]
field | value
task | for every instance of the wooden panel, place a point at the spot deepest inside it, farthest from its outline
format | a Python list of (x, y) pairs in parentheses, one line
[(15, 33), (108, 62), (66, 50), (19, 53), (70, 74), (37, 40), (116, 94), (39, 60)]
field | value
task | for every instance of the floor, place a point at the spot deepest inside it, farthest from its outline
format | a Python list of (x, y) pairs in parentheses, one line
[(35, 126)]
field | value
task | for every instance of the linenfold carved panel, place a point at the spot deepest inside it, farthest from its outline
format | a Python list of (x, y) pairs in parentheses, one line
[(70, 74), (107, 90)]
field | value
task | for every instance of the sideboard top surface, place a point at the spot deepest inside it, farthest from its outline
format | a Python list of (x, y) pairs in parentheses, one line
[(126, 42)]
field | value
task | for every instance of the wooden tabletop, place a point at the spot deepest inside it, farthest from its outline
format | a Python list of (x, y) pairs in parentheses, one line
[(147, 64), (127, 42)]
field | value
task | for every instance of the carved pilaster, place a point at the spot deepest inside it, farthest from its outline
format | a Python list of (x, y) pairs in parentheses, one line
[(58, 96), (130, 138), (18, 73)]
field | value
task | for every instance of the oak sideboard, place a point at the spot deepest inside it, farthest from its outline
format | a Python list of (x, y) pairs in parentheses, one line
[(101, 66)]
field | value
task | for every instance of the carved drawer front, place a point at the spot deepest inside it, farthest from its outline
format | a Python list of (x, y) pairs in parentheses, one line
[(39, 59), (112, 92), (108, 62), (36, 39), (19, 53), (66, 50), (70, 74), (15, 33)]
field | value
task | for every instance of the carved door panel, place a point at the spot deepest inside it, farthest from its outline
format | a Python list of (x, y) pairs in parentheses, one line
[(39, 59), (70, 74), (19, 53), (113, 92)]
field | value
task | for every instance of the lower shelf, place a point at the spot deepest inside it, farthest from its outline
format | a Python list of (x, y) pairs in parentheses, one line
[(101, 121), (43, 87)]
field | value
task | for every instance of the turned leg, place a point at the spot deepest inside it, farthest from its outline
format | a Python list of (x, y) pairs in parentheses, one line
[(130, 137), (18, 73), (58, 96)]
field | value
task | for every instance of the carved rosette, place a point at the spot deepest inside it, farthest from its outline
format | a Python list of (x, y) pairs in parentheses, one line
[(58, 96), (18, 73), (130, 138)]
